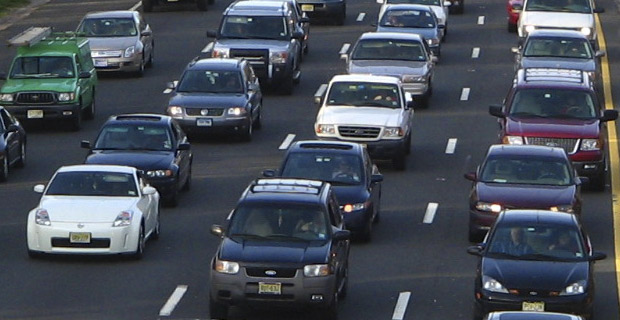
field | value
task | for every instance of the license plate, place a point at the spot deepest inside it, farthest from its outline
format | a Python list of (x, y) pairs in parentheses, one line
[(307, 7), (79, 237), (269, 288), (100, 62), (204, 122), (533, 306), (35, 114)]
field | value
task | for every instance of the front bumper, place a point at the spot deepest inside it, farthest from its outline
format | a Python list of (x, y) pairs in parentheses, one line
[(590, 169), (273, 74), (356, 221), (417, 89), (577, 304), (111, 64), (44, 112), (216, 125)]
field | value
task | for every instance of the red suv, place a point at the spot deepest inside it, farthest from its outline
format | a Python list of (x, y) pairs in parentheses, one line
[(557, 108)]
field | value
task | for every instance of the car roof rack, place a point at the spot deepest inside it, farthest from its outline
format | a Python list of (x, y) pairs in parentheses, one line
[(319, 145), (553, 74), (30, 36), (138, 117), (287, 186)]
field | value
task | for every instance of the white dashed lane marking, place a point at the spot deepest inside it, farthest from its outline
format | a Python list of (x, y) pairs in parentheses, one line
[(360, 17), (475, 53), (172, 302), (136, 6), (451, 146), (429, 215), (481, 20), (401, 305), (345, 48), (287, 142), (465, 94)]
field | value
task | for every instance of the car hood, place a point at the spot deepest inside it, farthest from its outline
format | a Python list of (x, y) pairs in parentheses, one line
[(143, 160), (557, 19), (556, 62), (278, 45), (375, 116), (208, 99), (39, 84), (427, 33), (111, 43), (556, 128), (350, 193), (525, 196), (85, 209), (535, 275), (388, 67), (303, 252)]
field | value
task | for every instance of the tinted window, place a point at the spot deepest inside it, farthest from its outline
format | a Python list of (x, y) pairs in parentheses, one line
[(43, 67), (138, 137), (558, 47), (553, 103), (210, 82), (93, 184), (337, 169), (363, 94), (526, 170), (408, 19), (108, 27), (389, 49), (255, 27)]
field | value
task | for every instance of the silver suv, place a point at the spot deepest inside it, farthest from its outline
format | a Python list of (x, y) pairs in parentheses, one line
[(267, 34)]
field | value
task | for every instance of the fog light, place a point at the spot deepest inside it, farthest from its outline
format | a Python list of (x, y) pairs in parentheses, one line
[(67, 113), (317, 297)]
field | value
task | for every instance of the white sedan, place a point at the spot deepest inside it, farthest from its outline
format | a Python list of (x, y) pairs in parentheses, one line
[(94, 209)]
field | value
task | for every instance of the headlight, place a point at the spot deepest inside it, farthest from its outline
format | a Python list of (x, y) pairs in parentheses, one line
[(489, 207), (123, 219), (586, 31), (175, 111), (413, 78), (393, 132), (325, 129), (316, 270), (66, 96), (221, 53), (529, 29), (590, 144), (563, 208), (350, 207), (41, 217), (6, 97), (512, 140), (227, 267), (432, 42), (159, 173), (129, 52), (578, 287), (236, 111), (492, 285), (278, 57)]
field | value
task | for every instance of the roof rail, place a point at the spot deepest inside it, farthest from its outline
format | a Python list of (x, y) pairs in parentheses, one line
[(30, 36), (546, 74), (287, 186)]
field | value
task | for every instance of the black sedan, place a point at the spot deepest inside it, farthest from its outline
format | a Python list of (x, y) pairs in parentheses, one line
[(535, 260), (521, 177), (347, 166), (152, 143), (12, 144)]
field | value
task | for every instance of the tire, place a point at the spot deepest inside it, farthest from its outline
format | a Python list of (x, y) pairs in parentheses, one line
[(408, 145), (331, 311), (474, 235), (149, 63), (366, 235), (345, 286), (258, 123), (247, 135), (377, 218), (76, 122), (286, 88), (140, 72), (399, 162), (202, 5), (172, 200), (90, 113), (157, 232), (217, 310), (341, 17), (34, 254), (597, 183), (147, 5), (140, 246), (21, 162), (512, 28), (477, 313), (211, 1), (4, 169), (188, 182)]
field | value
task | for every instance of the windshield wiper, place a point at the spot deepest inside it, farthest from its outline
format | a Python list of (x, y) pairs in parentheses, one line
[(287, 237), (527, 114), (247, 235)]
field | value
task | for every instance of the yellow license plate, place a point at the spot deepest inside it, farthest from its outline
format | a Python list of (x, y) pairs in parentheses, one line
[(79, 237), (533, 306), (269, 288), (35, 114), (307, 7)]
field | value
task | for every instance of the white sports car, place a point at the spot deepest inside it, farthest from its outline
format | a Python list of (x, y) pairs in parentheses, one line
[(94, 209)]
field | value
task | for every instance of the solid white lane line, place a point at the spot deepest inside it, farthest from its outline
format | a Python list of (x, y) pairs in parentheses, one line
[(431, 209), (287, 142), (475, 52), (401, 305), (451, 145), (481, 20), (136, 6), (360, 17), (345, 48), (174, 299), (465, 94)]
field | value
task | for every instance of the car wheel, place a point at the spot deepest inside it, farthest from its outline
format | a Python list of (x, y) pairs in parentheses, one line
[(188, 181), (345, 284), (377, 218), (173, 198), (477, 314), (331, 311), (76, 121), (366, 235), (342, 16), (140, 246), (598, 183), (286, 88), (217, 310), (140, 71), (475, 236), (211, 1), (461, 9), (202, 5), (258, 123), (4, 171), (34, 254), (21, 162), (147, 5), (512, 28), (157, 230), (90, 113), (149, 63), (399, 162), (247, 135)]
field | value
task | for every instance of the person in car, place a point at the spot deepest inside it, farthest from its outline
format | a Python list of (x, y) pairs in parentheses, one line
[(517, 244)]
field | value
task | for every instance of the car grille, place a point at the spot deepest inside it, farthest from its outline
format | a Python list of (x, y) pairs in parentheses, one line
[(211, 112), (35, 97), (359, 132), (107, 54), (95, 243), (259, 59), (534, 293), (280, 272), (569, 145)]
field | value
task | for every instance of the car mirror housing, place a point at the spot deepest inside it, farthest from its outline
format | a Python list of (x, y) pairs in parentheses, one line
[(496, 110), (320, 93), (600, 53), (582, 181), (609, 115), (184, 146), (597, 256), (171, 85), (12, 128), (471, 176), (85, 144), (375, 178), (342, 235), (84, 75), (475, 250), (149, 190), (269, 173), (39, 188), (146, 33), (447, 3), (298, 34), (304, 19), (514, 50), (598, 10), (217, 230), (211, 34)]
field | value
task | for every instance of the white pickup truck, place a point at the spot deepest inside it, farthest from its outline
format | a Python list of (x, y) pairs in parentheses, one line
[(367, 109)]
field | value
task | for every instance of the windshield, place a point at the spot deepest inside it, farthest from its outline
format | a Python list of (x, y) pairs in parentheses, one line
[(134, 137), (108, 184), (207, 81), (526, 170), (553, 103), (108, 27), (558, 47), (537, 243), (278, 222), (573, 6), (43, 67), (423, 2), (362, 94), (336, 169), (254, 27), (407, 19), (388, 49)]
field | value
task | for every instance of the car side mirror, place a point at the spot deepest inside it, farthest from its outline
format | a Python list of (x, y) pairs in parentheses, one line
[(39, 188), (217, 230), (609, 115), (514, 50), (2, 75), (597, 256), (12, 128), (341, 235), (380, 1), (517, 7), (374, 24), (434, 58), (211, 33), (149, 190), (184, 146), (319, 94), (376, 178), (447, 3), (269, 173), (471, 176), (253, 86), (304, 19), (84, 75), (344, 57), (475, 250), (496, 110), (582, 181), (600, 53), (598, 10), (298, 34), (171, 85), (85, 144), (146, 33)]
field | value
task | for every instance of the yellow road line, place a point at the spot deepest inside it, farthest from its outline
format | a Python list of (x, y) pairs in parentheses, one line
[(614, 157)]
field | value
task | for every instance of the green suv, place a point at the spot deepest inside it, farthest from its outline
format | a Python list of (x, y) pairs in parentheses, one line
[(52, 78)]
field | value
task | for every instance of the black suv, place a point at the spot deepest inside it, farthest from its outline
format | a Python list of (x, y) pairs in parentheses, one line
[(150, 142), (217, 95), (284, 245), (348, 168)]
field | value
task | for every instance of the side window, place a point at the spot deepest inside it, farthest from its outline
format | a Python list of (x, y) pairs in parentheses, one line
[(178, 133), (334, 213)]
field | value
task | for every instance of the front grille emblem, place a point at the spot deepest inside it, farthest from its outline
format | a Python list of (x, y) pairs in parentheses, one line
[(80, 225), (533, 293), (204, 112), (270, 272)]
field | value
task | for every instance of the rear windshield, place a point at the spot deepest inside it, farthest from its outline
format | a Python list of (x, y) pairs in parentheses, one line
[(572, 6), (407, 19), (558, 47), (389, 49)]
